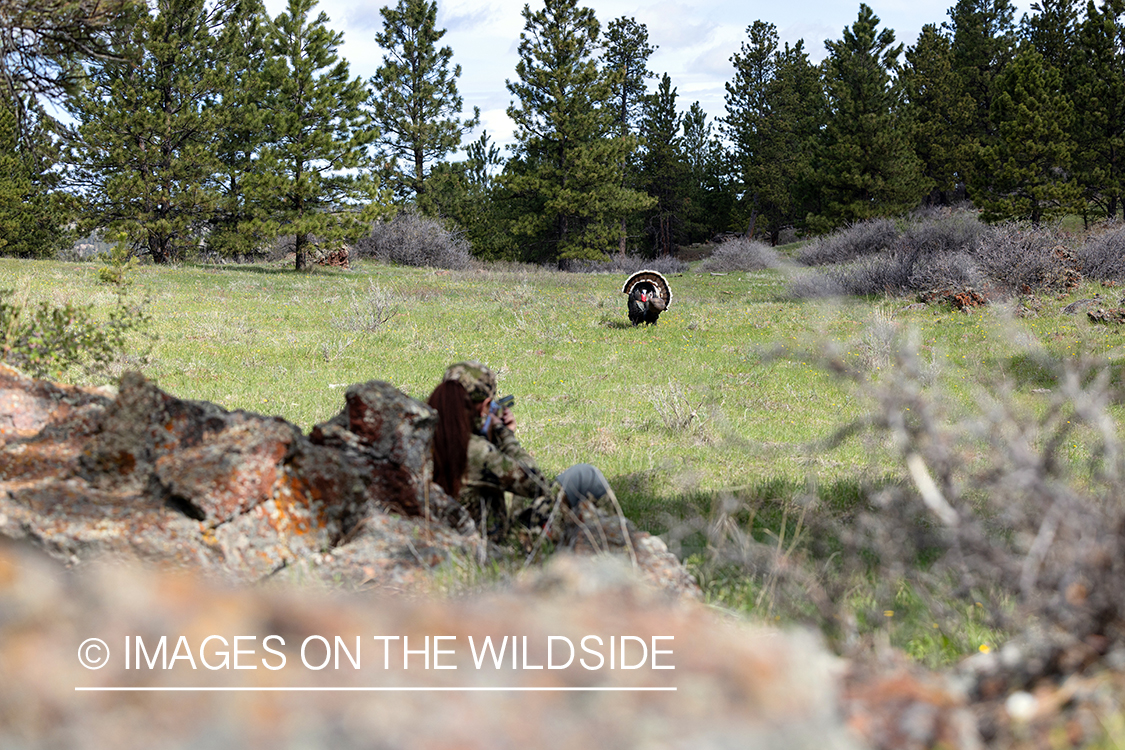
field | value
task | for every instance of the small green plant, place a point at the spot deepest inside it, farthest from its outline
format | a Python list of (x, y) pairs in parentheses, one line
[(46, 341), (118, 268)]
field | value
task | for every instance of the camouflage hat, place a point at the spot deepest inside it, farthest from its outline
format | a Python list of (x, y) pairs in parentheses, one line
[(478, 380)]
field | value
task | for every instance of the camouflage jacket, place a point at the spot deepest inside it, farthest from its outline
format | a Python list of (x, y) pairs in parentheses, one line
[(497, 466)]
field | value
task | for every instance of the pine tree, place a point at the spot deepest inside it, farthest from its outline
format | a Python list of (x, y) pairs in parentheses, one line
[(774, 110), (1050, 28), (32, 215), (1099, 96), (565, 179), (317, 176), (799, 112), (43, 42), (236, 225), (664, 172), (1026, 169), (984, 39), (712, 185), (147, 128), (415, 98), (938, 111), (625, 52), (866, 166), (466, 192), (748, 122), (15, 183)]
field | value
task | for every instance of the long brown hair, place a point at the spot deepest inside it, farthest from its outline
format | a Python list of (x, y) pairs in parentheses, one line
[(451, 436)]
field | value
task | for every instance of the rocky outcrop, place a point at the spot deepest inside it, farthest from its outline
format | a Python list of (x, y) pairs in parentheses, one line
[(139, 473)]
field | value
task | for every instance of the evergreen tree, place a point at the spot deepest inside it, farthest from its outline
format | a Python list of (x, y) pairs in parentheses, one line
[(799, 111), (415, 98), (43, 42), (1099, 96), (774, 111), (32, 216), (236, 225), (15, 184), (625, 52), (145, 138), (711, 185), (866, 166), (748, 123), (566, 174), (1026, 169), (1050, 28), (316, 178), (664, 172), (466, 192), (482, 160), (938, 111), (984, 38)]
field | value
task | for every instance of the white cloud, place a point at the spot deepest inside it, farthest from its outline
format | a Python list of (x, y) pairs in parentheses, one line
[(366, 18), (674, 26)]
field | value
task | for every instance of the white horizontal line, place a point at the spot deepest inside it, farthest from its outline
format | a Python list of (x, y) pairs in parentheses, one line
[(374, 689)]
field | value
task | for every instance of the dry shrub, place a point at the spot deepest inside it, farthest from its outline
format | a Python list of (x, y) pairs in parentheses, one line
[(1103, 255), (955, 231), (677, 406), (1017, 506), (627, 264), (1006, 502), (874, 258), (809, 284), (1021, 260), (776, 570), (857, 240), (369, 313), (886, 273), (740, 255), (411, 239), (954, 256)]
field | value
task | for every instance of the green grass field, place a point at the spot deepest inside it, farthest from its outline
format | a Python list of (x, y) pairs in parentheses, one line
[(679, 416)]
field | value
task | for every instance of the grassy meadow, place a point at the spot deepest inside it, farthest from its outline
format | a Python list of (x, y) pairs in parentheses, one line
[(722, 406)]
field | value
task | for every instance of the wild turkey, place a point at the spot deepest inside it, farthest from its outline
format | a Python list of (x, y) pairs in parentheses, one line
[(649, 295)]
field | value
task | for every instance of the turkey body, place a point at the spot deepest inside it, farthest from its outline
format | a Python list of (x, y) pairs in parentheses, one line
[(645, 306), (649, 295)]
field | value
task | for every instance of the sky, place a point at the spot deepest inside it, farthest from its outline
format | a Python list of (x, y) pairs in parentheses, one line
[(694, 40)]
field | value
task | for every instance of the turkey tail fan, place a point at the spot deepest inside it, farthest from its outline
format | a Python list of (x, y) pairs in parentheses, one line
[(655, 279)]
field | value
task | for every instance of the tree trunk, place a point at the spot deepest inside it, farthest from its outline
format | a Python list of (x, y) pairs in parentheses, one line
[(299, 247), (155, 250)]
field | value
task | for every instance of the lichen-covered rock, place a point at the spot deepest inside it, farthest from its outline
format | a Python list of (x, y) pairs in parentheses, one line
[(143, 474), (387, 435), (31, 407)]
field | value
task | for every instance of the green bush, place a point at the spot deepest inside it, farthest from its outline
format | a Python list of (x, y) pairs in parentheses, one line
[(47, 341)]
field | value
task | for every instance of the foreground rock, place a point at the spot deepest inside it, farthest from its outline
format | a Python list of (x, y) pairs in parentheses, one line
[(734, 686), (140, 474)]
